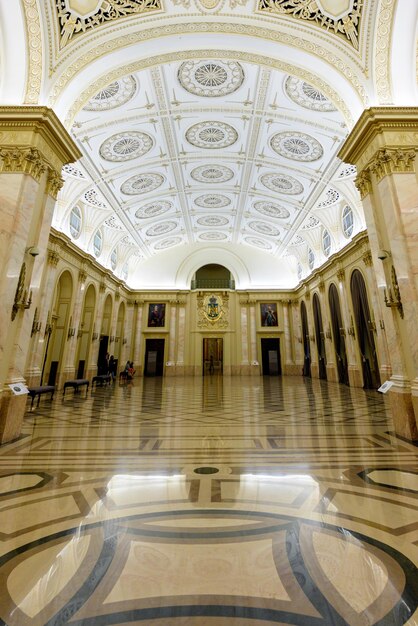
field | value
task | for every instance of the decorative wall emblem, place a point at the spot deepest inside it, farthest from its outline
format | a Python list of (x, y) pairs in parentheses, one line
[(161, 229), (211, 135), (212, 220), (259, 243), (344, 21), (312, 222), (264, 229), (213, 236), (126, 146), (307, 95), (168, 243), (213, 310), (281, 183), (331, 197), (142, 183), (114, 95), (296, 146), (75, 20), (211, 78), (212, 174), (153, 209), (271, 209), (212, 201), (91, 197)]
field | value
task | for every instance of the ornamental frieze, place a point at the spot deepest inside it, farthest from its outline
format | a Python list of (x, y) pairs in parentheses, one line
[(76, 17), (343, 20)]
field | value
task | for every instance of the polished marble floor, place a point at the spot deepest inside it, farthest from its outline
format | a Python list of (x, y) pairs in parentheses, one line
[(208, 502)]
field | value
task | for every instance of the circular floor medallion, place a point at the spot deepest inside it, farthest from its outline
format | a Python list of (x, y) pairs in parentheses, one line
[(282, 183), (296, 146), (126, 146), (113, 95), (211, 78), (307, 95), (212, 174), (211, 135), (271, 209), (212, 201), (142, 183)]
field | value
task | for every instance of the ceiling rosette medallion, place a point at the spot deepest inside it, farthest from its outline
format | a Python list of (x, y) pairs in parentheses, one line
[(282, 183), (343, 18), (211, 135), (210, 78), (126, 146), (76, 17), (259, 243), (161, 229), (168, 243), (212, 174), (212, 201), (296, 146), (307, 95), (142, 183), (113, 95), (212, 220), (153, 209), (271, 209)]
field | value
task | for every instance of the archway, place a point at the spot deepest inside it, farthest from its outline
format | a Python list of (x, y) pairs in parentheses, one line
[(60, 323), (369, 363), (305, 338), (120, 332), (339, 341), (103, 358), (320, 339), (85, 331)]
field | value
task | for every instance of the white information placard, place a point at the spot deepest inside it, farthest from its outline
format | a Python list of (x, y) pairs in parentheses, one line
[(386, 386), (19, 389)]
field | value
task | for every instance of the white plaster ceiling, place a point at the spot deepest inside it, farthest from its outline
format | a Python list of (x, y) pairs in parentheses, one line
[(203, 152)]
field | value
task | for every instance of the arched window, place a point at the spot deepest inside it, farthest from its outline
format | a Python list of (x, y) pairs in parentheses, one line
[(311, 258), (125, 272), (299, 271), (114, 259), (75, 222), (98, 243), (326, 242), (348, 221)]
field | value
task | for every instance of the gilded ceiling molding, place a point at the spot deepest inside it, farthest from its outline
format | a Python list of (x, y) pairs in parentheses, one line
[(248, 57), (80, 61), (33, 28), (347, 26), (382, 52), (72, 23)]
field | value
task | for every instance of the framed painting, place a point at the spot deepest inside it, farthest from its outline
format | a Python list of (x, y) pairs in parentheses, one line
[(269, 314), (156, 315)]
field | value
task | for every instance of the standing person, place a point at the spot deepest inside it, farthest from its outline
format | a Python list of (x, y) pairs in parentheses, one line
[(112, 366)]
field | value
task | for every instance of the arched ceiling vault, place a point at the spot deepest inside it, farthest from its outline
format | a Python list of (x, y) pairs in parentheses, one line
[(208, 125)]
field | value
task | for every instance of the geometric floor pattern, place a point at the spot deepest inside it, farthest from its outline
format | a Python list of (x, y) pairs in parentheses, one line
[(209, 502)]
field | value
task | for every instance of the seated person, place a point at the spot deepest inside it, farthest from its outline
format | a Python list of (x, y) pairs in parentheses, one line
[(130, 370)]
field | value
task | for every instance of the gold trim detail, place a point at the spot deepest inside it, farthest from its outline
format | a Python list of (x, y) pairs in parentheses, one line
[(72, 24), (347, 27), (54, 183), (25, 160), (363, 182), (33, 28), (390, 161), (367, 259), (21, 301), (53, 258), (382, 52)]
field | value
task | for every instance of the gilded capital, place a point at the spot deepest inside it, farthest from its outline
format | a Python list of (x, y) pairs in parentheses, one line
[(392, 160), (363, 182), (53, 258), (367, 259), (54, 183), (24, 160), (341, 275)]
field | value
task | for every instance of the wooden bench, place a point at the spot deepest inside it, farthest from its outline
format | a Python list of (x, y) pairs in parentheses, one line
[(103, 379), (39, 391), (76, 384)]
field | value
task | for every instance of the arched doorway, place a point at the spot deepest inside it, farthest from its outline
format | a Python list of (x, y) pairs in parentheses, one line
[(57, 339), (369, 363), (120, 332), (85, 331), (213, 276), (339, 341), (102, 361), (305, 338), (320, 340)]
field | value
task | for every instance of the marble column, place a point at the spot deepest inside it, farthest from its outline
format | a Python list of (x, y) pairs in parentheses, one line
[(170, 369), (180, 365), (33, 148), (70, 366), (355, 374), (297, 337), (312, 338), (94, 352), (254, 364), (383, 146), (137, 349), (290, 367), (245, 364)]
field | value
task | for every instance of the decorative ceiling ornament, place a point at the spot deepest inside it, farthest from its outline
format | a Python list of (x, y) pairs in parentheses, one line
[(126, 146), (161, 229), (307, 95), (281, 183), (76, 17), (348, 171), (297, 241), (296, 146), (213, 236), (210, 78), (168, 243), (113, 95), (153, 209), (312, 222), (212, 174), (112, 222), (342, 18), (210, 6), (271, 209), (92, 198), (331, 197), (264, 229), (211, 201), (72, 170), (211, 135), (212, 220), (142, 183), (259, 243)]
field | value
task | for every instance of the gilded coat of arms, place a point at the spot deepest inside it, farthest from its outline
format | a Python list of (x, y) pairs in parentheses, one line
[(212, 310)]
